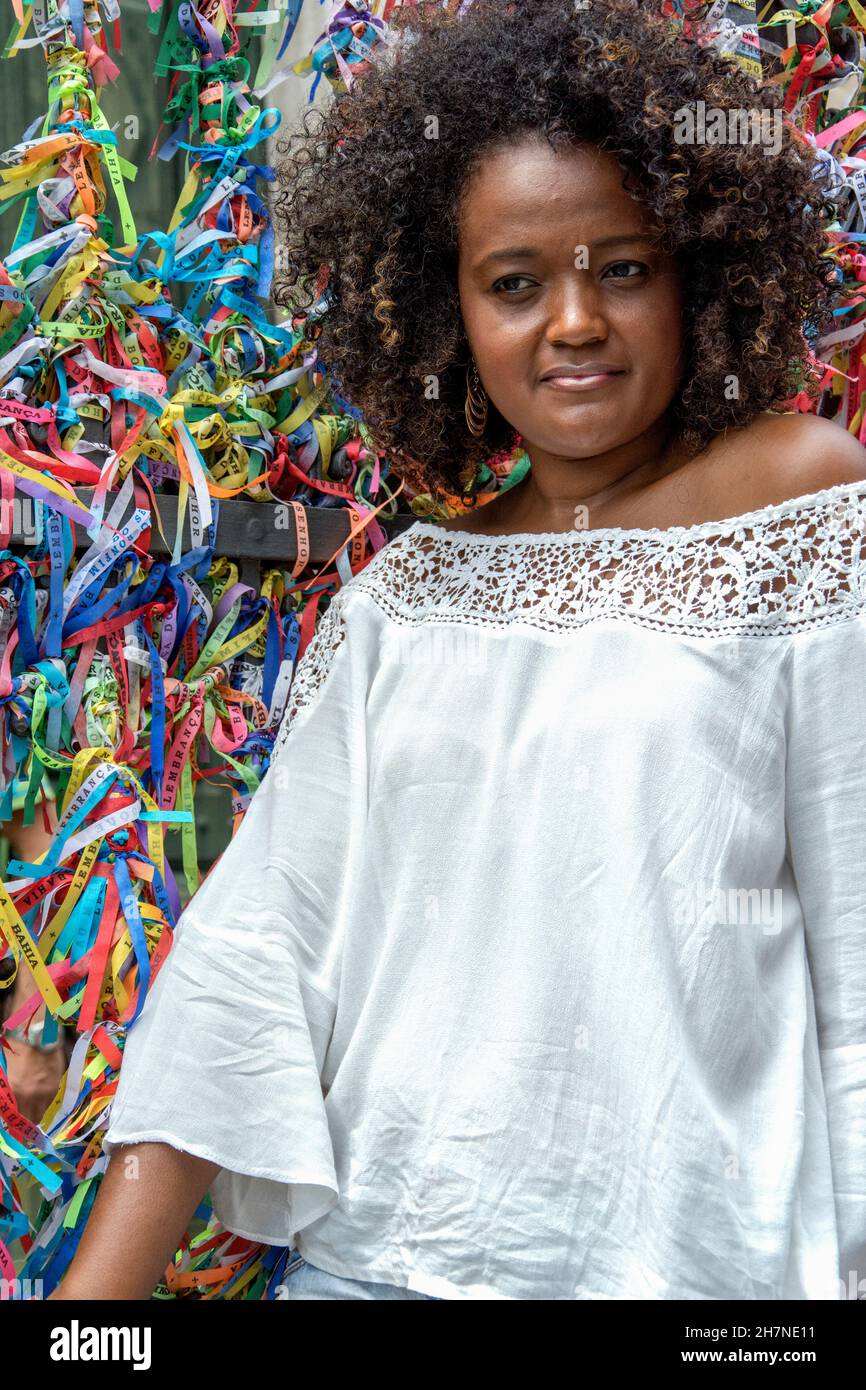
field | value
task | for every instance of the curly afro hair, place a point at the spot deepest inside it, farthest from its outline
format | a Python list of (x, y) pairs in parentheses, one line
[(372, 204)]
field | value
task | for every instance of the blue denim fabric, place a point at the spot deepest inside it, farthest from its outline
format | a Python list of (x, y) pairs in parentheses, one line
[(306, 1281)]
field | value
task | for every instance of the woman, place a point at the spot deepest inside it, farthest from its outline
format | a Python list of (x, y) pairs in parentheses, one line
[(537, 967)]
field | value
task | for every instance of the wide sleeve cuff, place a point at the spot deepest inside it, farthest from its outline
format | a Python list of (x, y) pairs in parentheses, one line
[(222, 1063)]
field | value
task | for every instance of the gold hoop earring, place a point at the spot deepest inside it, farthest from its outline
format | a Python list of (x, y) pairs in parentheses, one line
[(476, 401)]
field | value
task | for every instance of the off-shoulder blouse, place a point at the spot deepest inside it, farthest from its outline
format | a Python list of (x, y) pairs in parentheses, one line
[(537, 966)]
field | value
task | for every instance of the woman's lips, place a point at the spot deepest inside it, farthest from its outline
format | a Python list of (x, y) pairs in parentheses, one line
[(582, 383)]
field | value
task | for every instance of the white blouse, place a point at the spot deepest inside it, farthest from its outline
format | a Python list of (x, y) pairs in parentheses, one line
[(537, 966)]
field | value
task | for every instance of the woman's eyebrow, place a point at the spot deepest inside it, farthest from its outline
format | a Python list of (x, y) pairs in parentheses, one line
[(532, 252), (626, 237), (509, 253)]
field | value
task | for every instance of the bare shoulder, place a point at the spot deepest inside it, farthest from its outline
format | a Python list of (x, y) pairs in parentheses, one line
[(780, 457)]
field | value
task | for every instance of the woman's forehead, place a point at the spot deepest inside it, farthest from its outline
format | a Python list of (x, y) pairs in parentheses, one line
[(549, 194)]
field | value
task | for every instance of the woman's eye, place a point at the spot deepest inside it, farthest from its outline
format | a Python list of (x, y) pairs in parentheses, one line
[(620, 270), (509, 280), (624, 265)]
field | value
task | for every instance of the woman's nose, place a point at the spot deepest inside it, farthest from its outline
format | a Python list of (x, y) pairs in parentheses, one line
[(574, 309)]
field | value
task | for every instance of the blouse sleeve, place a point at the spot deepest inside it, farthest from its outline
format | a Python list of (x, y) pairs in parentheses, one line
[(225, 1059), (826, 825)]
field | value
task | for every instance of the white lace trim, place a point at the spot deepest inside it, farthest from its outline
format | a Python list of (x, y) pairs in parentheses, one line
[(786, 567), (312, 668)]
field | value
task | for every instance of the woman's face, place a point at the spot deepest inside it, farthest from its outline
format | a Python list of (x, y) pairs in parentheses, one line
[(557, 269)]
